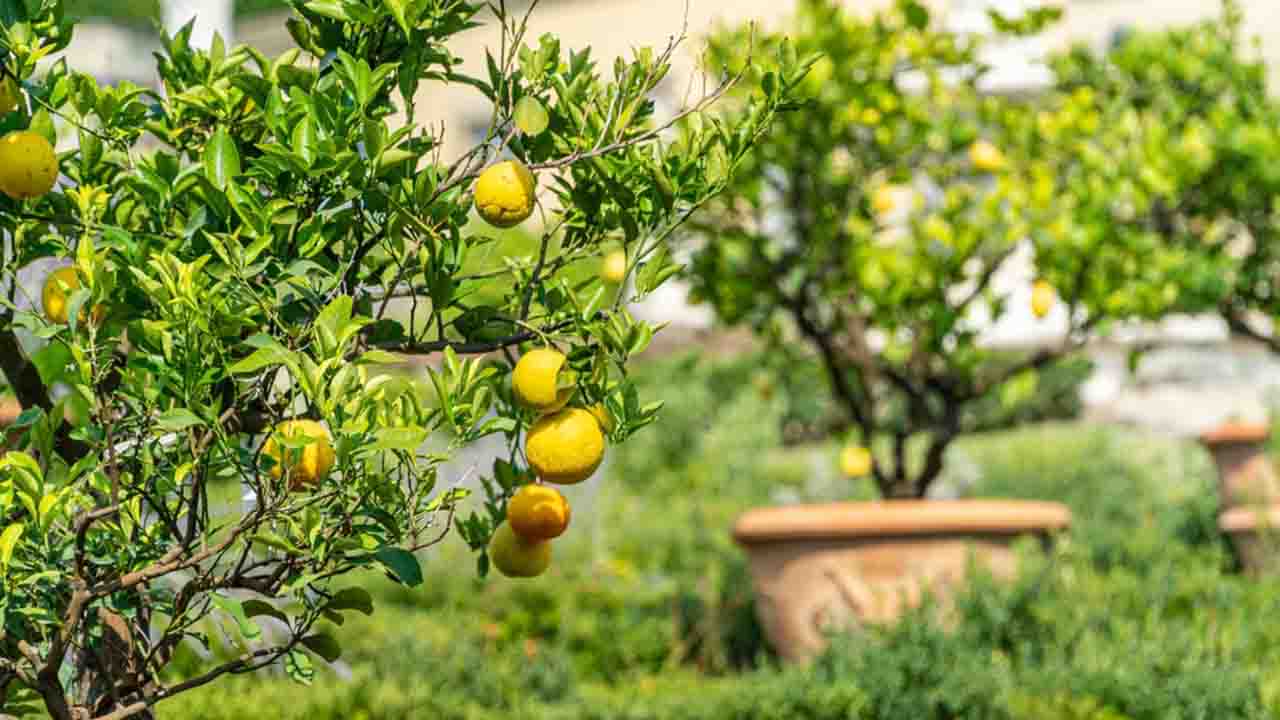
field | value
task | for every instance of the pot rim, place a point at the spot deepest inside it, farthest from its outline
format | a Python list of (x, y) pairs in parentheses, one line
[(1250, 518), (1235, 433), (899, 518)]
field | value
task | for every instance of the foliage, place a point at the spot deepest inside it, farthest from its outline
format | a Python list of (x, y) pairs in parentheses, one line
[(266, 237), (1135, 614), (1201, 95), (149, 10), (812, 249)]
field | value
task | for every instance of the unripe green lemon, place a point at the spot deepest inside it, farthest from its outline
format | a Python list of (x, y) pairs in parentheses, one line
[(10, 96), (516, 557)]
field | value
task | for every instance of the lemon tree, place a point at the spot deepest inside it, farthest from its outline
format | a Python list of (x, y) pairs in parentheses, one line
[(1195, 99), (868, 231), (263, 242)]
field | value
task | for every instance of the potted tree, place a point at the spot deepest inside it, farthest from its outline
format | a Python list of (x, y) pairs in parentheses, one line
[(243, 252), (1211, 97), (805, 249)]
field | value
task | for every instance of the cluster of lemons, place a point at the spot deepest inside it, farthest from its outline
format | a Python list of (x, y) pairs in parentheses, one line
[(28, 170), (564, 446)]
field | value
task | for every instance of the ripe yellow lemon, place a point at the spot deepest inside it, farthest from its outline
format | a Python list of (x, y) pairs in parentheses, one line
[(538, 512), (565, 447), (603, 416), (985, 156), (884, 199), (535, 380), (516, 557), (307, 465), (10, 95), (1043, 296), (855, 461), (614, 268), (505, 194), (28, 165), (58, 288)]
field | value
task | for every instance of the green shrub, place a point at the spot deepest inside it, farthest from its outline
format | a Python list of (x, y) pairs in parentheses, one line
[(1133, 615)]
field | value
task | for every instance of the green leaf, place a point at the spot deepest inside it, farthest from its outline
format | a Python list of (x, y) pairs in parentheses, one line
[(353, 598), (177, 420), (324, 646), (399, 438), (397, 11), (249, 630), (916, 14), (402, 565), (530, 116), (329, 9), (392, 158), (304, 139), (380, 357), (262, 358), (258, 608), (42, 124), (9, 541), (221, 159)]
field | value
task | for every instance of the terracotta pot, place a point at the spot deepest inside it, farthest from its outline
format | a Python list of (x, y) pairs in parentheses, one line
[(1255, 535), (1245, 472), (823, 568)]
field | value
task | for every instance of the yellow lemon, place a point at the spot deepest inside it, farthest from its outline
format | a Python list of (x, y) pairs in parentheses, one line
[(886, 198), (535, 380), (516, 557), (538, 512), (1043, 296), (307, 465), (565, 447), (505, 194), (58, 287), (28, 165), (614, 268), (985, 156), (855, 461), (10, 95), (60, 283), (603, 416)]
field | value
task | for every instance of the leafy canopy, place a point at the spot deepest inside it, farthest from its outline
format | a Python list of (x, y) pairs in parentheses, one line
[(267, 239)]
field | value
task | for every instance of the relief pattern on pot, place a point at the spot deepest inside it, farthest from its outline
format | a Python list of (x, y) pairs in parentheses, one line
[(821, 588)]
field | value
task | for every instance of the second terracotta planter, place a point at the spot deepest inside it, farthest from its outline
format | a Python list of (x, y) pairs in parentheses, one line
[(1246, 476), (823, 568)]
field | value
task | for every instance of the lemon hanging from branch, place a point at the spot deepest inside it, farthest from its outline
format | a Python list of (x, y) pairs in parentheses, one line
[(28, 165), (536, 380), (565, 447), (537, 512), (505, 194), (1043, 296), (517, 557)]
